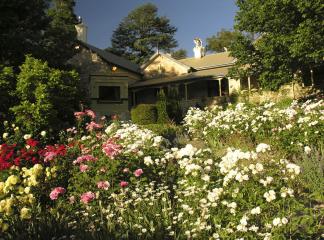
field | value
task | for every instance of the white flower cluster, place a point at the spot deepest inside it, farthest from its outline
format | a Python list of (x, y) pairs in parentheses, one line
[(305, 119), (134, 138)]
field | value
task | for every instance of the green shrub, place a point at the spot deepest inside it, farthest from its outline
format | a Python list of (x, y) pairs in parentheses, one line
[(161, 106), (165, 130), (144, 114), (47, 97), (312, 174), (174, 108)]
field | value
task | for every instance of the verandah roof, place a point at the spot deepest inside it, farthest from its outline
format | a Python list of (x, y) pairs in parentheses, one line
[(212, 74)]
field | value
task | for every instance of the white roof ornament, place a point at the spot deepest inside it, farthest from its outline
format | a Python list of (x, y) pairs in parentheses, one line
[(82, 30), (199, 50)]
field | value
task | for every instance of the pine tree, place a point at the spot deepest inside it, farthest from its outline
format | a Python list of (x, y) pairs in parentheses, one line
[(141, 32)]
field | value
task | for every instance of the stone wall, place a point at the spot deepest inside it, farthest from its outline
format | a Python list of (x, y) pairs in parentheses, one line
[(292, 91), (95, 72)]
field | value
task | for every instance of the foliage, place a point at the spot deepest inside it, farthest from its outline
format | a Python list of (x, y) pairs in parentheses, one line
[(38, 27), (22, 24), (289, 42), (60, 36), (223, 39), (7, 87), (167, 131), (47, 97), (174, 108), (144, 114), (179, 54), (312, 176), (141, 32), (161, 106)]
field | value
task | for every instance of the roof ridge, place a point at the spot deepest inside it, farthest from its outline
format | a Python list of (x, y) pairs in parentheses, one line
[(113, 58)]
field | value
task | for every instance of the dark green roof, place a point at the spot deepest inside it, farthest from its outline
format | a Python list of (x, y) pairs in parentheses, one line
[(114, 59)]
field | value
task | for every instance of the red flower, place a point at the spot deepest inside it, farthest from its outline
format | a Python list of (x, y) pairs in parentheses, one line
[(31, 142)]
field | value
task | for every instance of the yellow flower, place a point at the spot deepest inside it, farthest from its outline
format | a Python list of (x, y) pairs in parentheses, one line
[(32, 181), (20, 190), (12, 180), (3, 226), (2, 205), (25, 213), (27, 190), (31, 198), (37, 169), (8, 206), (1, 187)]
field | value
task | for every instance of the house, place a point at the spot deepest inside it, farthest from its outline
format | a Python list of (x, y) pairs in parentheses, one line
[(114, 85)]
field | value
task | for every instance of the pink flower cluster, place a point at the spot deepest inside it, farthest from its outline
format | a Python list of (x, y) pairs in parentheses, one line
[(103, 185), (123, 184), (93, 126), (85, 158), (87, 197), (88, 112), (56, 192), (138, 172), (79, 115), (84, 167), (111, 149)]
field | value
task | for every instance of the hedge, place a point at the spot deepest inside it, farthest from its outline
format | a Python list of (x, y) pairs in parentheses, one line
[(144, 114)]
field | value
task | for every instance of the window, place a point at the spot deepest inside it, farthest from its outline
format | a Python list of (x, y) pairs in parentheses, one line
[(109, 93)]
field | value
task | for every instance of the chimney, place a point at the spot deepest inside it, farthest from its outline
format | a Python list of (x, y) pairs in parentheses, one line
[(82, 30), (199, 50)]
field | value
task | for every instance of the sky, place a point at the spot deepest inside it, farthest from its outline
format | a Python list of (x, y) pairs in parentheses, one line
[(202, 18)]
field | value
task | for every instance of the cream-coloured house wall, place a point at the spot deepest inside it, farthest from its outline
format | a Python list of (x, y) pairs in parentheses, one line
[(164, 67), (95, 72)]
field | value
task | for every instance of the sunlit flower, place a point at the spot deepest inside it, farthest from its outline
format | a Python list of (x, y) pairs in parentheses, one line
[(56, 192)]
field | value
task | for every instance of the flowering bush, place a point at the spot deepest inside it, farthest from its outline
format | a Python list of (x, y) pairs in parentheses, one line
[(292, 128), (122, 181)]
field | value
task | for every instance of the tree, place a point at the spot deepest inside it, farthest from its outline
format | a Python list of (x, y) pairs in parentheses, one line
[(7, 88), (221, 40), (290, 40), (161, 106), (141, 32), (60, 35), (47, 97), (179, 54), (22, 23), (39, 28)]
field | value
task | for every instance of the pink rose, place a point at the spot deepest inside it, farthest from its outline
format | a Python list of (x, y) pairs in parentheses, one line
[(85, 158), (56, 192), (87, 197), (79, 115), (138, 172), (103, 185), (92, 126), (111, 149), (49, 156), (123, 184), (84, 168), (90, 113)]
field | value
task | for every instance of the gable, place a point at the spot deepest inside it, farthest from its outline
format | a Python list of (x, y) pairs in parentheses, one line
[(211, 60), (161, 65)]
